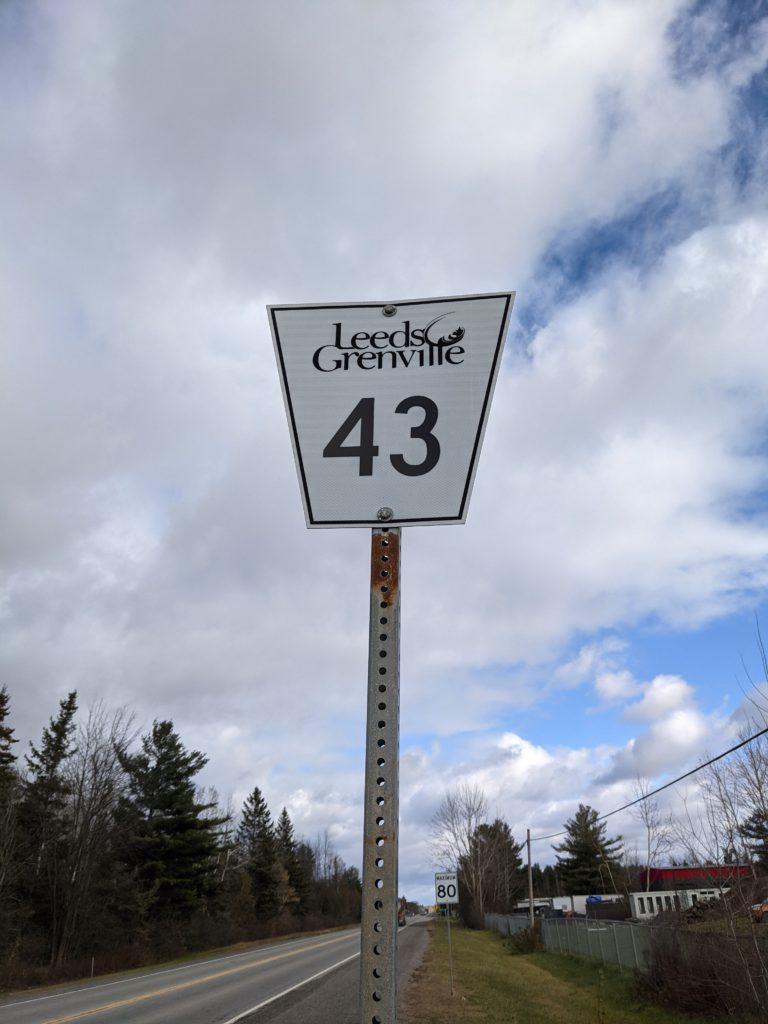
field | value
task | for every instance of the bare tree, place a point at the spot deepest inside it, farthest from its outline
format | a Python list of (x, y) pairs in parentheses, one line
[(658, 827), (95, 781), (452, 830)]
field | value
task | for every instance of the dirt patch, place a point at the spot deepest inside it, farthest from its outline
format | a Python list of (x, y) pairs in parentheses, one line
[(428, 998)]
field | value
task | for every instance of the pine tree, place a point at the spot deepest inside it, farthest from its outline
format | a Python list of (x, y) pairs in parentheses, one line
[(9, 831), (170, 843), (258, 843), (286, 843), (495, 847), (305, 878), (591, 860), (754, 831), (45, 823), (7, 756), (298, 880)]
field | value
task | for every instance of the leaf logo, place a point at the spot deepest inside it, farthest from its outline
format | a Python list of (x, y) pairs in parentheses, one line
[(453, 338)]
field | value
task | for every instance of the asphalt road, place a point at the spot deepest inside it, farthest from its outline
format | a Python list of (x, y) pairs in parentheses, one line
[(309, 979), (335, 999)]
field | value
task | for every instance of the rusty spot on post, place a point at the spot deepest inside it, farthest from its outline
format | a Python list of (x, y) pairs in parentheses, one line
[(385, 563)]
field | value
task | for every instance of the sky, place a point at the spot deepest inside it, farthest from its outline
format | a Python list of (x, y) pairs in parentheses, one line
[(168, 169)]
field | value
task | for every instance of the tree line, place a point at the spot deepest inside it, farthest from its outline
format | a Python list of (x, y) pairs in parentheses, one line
[(112, 856), (724, 822), (489, 860)]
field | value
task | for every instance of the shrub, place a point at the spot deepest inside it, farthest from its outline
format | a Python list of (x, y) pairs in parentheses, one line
[(529, 941), (708, 973)]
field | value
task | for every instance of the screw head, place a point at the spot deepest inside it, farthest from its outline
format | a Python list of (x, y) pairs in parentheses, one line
[(389, 310), (384, 514)]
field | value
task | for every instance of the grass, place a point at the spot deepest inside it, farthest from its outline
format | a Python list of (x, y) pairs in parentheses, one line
[(493, 986)]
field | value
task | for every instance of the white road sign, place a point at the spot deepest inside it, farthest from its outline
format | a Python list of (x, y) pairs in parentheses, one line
[(446, 887), (387, 404)]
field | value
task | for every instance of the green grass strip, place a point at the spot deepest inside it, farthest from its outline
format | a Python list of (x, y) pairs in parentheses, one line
[(491, 984)]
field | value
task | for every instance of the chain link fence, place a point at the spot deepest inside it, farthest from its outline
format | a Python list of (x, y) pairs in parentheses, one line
[(614, 942)]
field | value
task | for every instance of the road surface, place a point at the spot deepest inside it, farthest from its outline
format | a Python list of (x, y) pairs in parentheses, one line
[(311, 979)]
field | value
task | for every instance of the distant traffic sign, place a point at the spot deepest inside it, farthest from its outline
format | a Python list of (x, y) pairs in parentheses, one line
[(446, 887), (387, 404)]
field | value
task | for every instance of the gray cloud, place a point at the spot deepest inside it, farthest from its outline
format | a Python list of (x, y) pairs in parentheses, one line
[(167, 169)]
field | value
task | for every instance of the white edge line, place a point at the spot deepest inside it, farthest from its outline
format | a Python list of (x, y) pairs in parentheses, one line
[(141, 974), (288, 991)]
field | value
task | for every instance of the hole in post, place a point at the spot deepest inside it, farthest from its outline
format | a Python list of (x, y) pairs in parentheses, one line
[(377, 997), (380, 822), (378, 904), (382, 654), (381, 743), (382, 706), (384, 573), (382, 671), (377, 926), (377, 950), (379, 883), (380, 801), (382, 636), (382, 688), (384, 590), (379, 863), (379, 840), (381, 781), (380, 762), (376, 972), (384, 604), (382, 724), (383, 620)]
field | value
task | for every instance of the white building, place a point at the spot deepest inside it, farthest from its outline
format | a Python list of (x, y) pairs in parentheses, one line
[(646, 905)]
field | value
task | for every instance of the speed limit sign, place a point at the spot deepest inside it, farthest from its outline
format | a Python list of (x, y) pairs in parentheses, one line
[(387, 404), (446, 887)]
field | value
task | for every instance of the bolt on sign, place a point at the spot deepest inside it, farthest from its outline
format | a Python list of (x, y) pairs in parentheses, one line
[(387, 404)]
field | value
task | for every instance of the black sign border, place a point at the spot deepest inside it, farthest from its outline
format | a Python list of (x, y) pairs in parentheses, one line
[(314, 523)]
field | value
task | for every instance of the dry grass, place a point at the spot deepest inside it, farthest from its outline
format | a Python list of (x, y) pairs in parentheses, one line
[(493, 986)]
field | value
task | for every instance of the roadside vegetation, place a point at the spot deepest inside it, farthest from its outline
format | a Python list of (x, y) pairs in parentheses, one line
[(709, 952), (493, 985), (111, 857)]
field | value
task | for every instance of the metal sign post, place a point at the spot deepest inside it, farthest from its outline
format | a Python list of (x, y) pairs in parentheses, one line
[(387, 405), (378, 981), (447, 892), (450, 948)]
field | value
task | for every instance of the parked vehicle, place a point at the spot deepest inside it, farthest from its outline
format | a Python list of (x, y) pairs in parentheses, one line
[(401, 907), (760, 911)]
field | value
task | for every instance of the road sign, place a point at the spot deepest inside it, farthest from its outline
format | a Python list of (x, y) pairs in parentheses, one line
[(387, 404), (446, 887)]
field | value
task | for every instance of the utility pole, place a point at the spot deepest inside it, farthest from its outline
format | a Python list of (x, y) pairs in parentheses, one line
[(530, 880)]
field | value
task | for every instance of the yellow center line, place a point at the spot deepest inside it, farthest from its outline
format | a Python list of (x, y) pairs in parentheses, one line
[(180, 986)]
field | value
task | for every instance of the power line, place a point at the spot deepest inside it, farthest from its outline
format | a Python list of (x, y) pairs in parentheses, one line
[(602, 817)]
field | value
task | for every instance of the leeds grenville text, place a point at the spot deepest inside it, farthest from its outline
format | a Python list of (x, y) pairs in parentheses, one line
[(407, 346)]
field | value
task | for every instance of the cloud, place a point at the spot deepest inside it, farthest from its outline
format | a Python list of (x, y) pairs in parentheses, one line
[(615, 686), (592, 659), (662, 697)]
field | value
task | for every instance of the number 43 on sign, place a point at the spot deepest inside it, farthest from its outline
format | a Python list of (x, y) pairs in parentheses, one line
[(387, 404)]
